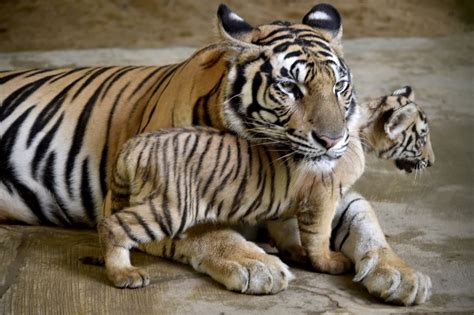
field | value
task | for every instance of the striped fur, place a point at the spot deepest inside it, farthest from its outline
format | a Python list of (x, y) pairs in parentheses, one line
[(61, 129), (404, 135), (167, 181), (375, 116)]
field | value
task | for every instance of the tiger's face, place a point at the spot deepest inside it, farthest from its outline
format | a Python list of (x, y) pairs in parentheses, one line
[(289, 86), (404, 133)]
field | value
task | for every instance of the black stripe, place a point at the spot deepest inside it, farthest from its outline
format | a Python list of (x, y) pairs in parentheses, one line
[(336, 228), (8, 174), (48, 112), (89, 81), (117, 75), (214, 168), (20, 95), (87, 197), (49, 181), (43, 146), (39, 71), (81, 128), (201, 113), (165, 201), (145, 80), (142, 222), (238, 159), (158, 85), (158, 218), (12, 76), (272, 183), (263, 39), (72, 71), (127, 229), (105, 149)]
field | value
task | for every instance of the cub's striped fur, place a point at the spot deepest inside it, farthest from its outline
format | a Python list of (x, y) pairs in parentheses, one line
[(167, 181), (61, 129)]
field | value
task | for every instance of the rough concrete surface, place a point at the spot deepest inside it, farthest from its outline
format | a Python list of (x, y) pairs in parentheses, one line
[(428, 219)]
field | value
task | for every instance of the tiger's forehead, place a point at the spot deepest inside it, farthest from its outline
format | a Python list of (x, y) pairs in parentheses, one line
[(299, 49), (281, 35), (302, 66)]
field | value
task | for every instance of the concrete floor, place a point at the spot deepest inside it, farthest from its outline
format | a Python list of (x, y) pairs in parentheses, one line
[(428, 220)]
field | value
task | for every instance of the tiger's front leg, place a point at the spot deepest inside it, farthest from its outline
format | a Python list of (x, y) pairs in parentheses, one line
[(314, 223), (357, 233), (227, 257)]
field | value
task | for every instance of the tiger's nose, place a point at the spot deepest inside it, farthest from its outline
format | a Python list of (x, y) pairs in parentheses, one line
[(325, 141)]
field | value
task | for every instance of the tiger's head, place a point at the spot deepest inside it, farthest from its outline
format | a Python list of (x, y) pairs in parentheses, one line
[(402, 133), (288, 84)]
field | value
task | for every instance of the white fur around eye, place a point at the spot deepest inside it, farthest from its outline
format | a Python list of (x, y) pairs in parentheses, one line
[(319, 15)]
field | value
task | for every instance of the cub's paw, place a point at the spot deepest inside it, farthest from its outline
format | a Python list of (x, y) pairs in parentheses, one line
[(130, 277), (389, 278), (295, 254), (334, 263), (249, 270)]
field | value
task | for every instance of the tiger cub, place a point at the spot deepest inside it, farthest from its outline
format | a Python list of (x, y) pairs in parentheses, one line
[(167, 181), (395, 128)]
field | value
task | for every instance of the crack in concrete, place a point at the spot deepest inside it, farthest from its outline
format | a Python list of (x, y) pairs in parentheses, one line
[(15, 266), (334, 302)]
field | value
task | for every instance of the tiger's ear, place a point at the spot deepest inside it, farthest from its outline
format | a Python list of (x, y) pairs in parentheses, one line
[(405, 91), (327, 20), (400, 120), (233, 28)]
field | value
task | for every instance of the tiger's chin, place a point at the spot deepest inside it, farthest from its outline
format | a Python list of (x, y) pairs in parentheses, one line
[(323, 164)]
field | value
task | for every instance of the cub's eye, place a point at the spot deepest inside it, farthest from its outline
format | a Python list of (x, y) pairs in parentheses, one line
[(339, 85)]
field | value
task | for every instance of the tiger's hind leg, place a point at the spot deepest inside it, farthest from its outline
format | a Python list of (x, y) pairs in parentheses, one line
[(122, 231)]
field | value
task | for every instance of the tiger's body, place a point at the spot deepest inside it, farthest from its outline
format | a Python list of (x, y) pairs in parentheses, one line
[(167, 181), (61, 129)]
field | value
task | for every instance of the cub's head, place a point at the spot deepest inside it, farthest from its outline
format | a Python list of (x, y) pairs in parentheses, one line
[(404, 133), (287, 84)]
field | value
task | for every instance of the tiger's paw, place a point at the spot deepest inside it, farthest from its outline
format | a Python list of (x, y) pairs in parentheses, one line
[(389, 278), (251, 271), (334, 263), (130, 277)]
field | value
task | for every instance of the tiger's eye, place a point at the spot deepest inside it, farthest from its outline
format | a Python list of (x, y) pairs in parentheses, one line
[(288, 85)]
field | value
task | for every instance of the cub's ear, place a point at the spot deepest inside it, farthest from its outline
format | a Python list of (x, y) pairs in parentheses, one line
[(326, 19), (232, 27), (406, 91), (400, 120)]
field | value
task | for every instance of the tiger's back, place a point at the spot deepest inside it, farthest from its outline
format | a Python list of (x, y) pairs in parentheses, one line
[(59, 130)]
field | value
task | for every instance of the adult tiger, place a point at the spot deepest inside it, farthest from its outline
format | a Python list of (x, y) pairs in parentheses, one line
[(60, 130)]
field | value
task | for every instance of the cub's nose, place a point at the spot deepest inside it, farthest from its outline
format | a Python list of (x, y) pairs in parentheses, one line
[(325, 141)]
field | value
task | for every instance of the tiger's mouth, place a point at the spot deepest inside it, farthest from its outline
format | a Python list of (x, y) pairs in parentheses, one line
[(409, 165)]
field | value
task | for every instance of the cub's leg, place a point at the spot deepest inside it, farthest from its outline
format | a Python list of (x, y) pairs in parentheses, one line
[(124, 230), (227, 257), (357, 233), (314, 223)]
